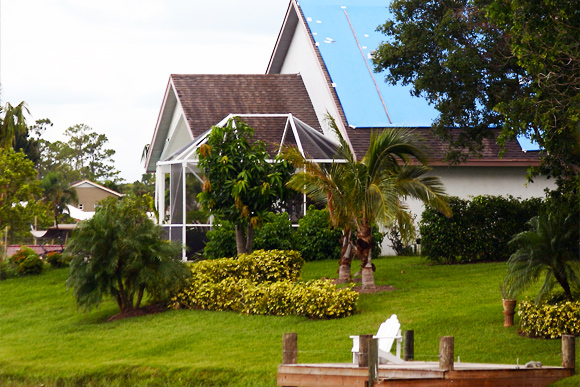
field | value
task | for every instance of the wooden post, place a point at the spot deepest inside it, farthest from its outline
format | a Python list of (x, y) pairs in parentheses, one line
[(568, 352), (373, 360), (409, 346), (446, 353), (290, 348), (363, 350)]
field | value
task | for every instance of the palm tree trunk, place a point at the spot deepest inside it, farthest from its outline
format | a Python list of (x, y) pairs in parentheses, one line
[(249, 238), (345, 258), (363, 252)]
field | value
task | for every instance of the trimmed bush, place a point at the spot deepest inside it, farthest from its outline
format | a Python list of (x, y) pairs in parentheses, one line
[(276, 234), (259, 266), (221, 241), (313, 299), (24, 262), (263, 283), (478, 231), (315, 238), (58, 260), (550, 321)]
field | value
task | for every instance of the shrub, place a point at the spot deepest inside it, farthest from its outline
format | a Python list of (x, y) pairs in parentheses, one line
[(259, 266), (315, 238), (275, 234), (263, 283), (479, 230), (314, 299), (221, 241), (58, 260), (550, 321), (30, 265), (6, 270), (24, 262)]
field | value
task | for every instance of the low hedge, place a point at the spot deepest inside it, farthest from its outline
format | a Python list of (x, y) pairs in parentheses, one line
[(259, 266), (263, 283), (313, 299), (550, 321)]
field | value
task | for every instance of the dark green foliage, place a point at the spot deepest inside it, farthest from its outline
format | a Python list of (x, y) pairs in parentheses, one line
[(549, 249), (492, 63), (121, 253), (24, 262), (240, 185), (221, 241), (58, 260), (478, 231), (275, 234), (315, 238)]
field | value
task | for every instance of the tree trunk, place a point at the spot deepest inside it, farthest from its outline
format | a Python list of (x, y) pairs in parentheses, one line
[(249, 238), (363, 252), (345, 258), (140, 296), (240, 240)]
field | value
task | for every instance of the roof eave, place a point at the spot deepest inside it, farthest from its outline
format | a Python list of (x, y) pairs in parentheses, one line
[(284, 39)]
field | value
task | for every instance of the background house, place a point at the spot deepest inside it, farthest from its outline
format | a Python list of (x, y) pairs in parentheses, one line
[(90, 193), (321, 64)]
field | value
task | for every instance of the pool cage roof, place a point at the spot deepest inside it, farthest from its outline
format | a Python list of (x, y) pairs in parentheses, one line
[(278, 131)]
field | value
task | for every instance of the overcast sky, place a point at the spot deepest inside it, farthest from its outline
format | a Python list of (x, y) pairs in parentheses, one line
[(106, 63)]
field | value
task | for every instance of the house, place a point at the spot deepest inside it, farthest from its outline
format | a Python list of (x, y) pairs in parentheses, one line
[(89, 194), (321, 64)]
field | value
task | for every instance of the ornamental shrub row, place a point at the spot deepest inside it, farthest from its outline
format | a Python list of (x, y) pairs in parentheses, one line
[(259, 266), (550, 321), (263, 283), (24, 262), (313, 299), (478, 231)]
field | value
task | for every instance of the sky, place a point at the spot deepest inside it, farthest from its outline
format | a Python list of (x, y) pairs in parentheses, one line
[(106, 63)]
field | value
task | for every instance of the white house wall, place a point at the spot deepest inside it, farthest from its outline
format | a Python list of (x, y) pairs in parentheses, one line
[(466, 182), (301, 58)]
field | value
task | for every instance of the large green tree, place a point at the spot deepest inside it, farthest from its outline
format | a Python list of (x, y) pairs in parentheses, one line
[(12, 123), (241, 186), (492, 63), (19, 193), (84, 155), (121, 253), (369, 192)]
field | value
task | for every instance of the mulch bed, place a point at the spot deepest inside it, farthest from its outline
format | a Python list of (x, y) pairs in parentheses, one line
[(149, 309)]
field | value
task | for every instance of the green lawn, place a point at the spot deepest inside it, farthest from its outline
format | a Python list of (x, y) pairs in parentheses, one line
[(44, 339)]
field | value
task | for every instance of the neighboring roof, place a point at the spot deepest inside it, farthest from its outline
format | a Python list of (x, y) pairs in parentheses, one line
[(207, 98), (90, 184)]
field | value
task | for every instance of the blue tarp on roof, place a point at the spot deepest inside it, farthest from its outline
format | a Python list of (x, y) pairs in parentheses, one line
[(332, 23), (328, 21)]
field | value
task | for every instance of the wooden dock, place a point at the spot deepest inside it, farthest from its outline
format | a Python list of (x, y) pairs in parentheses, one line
[(445, 372), (418, 373)]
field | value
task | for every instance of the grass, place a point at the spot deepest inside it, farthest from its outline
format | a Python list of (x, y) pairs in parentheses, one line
[(44, 339)]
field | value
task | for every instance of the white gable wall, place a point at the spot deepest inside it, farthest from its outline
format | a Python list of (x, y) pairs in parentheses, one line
[(301, 58), (179, 134)]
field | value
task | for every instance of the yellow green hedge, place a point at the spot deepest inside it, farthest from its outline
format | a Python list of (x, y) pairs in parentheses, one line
[(263, 283), (550, 321)]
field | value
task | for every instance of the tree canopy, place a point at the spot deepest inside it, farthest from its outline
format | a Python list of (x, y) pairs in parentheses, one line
[(121, 253), (240, 185), (487, 64)]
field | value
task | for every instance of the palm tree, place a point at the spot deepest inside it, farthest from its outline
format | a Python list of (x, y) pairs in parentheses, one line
[(550, 248), (57, 193), (12, 124), (360, 194)]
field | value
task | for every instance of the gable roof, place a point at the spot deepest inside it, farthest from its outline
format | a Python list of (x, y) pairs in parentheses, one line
[(206, 99), (91, 184)]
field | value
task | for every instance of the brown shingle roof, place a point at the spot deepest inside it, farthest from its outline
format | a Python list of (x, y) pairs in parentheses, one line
[(207, 99), (435, 148)]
